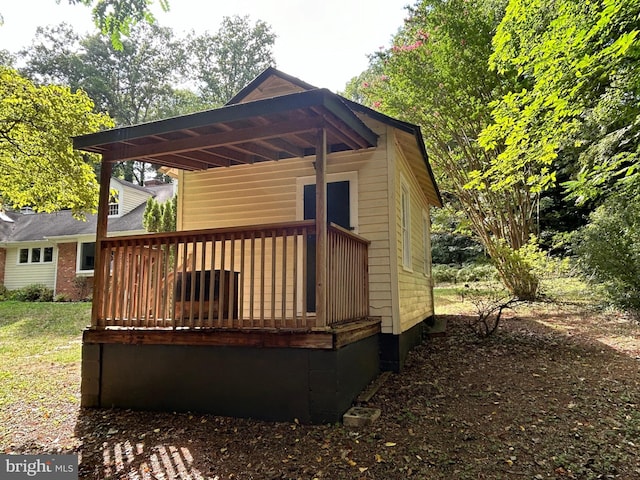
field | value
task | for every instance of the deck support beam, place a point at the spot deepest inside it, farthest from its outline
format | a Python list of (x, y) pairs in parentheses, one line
[(321, 228), (101, 233)]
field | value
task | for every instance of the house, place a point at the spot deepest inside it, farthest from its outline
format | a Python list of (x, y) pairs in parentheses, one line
[(58, 250), (300, 268)]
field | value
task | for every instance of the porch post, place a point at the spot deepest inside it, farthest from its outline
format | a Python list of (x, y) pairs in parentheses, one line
[(101, 233), (321, 229)]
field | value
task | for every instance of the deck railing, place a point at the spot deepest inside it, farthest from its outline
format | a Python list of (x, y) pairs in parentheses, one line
[(240, 278)]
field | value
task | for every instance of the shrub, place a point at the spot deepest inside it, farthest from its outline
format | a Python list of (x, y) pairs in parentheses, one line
[(33, 293), (61, 297), (465, 274), (609, 250), (444, 273), (83, 288), (448, 248), (520, 269), (476, 273), (4, 293)]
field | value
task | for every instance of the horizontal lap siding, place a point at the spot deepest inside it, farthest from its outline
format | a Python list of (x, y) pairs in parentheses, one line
[(414, 287), (266, 192), (20, 275), (131, 199)]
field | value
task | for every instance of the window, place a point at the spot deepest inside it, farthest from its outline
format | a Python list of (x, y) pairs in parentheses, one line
[(426, 243), (405, 200), (87, 256), (35, 255), (114, 204)]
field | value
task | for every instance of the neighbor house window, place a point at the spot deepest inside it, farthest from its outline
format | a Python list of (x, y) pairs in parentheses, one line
[(405, 200), (114, 205), (87, 256), (35, 255)]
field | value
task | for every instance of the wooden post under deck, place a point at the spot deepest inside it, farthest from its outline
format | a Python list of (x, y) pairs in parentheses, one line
[(321, 229), (101, 233)]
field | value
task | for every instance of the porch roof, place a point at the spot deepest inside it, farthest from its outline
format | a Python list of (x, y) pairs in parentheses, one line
[(245, 133)]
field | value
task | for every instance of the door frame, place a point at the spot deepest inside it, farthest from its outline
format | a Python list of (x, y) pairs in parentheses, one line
[(352, 178)]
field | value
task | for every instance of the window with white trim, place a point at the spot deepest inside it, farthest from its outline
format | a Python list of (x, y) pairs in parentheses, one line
[(426, 243), (35, 255), (114, 204), (405, 205), (87, 256)]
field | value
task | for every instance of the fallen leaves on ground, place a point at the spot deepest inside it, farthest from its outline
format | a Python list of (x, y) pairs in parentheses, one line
[(554, 394)]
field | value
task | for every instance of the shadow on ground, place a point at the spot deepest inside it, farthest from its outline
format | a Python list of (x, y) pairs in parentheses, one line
[(550, 395)]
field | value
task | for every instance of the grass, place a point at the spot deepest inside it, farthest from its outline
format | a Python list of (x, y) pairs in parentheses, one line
[(40, 349), (451, 299)]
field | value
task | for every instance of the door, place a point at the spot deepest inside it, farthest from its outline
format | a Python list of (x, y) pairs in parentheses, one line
[(338, 212)]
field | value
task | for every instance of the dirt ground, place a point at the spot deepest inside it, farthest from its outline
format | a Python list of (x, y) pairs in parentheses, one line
[(555, 393)]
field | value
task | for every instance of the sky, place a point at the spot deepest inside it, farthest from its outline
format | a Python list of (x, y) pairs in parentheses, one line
[(322, 43)]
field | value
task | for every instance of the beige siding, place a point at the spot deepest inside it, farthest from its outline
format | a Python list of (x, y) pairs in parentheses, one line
[(267, 192), (20, 275), (414, 284), (130, 198)]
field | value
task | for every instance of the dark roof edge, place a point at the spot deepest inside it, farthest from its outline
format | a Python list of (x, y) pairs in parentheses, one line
[(238, 111), (269, 71), (404, 126)]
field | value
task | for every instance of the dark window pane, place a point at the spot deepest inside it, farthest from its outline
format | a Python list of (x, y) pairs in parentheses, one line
[(24, 255), (88, 253), (48, 254)]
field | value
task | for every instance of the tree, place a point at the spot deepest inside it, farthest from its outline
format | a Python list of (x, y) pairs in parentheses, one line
[(134, 84), (436, 75), (160, 217), (609, 249), (38, 166), (115, 18), (580, 67), (225, 62)]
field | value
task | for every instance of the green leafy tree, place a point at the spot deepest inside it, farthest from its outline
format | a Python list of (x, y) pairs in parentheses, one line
[(115, 18), (436, 75), (38, 165), (579, 63), (225, 62), (134, 83)]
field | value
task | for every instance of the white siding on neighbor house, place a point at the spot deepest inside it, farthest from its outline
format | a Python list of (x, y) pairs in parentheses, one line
[(130, 198), (18, 275), (267, 192), (414, 283)]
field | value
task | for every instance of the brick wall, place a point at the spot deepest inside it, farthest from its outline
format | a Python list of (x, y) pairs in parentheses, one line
[(3, 261), (66, 277)]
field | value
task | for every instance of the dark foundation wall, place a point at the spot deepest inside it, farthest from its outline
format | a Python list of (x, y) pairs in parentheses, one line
[(280, 384), (395, 348)]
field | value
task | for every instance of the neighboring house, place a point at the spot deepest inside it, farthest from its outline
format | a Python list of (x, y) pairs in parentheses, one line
[(301, 266), (58, 250)]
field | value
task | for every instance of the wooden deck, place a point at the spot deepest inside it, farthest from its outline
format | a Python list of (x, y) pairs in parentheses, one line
[(240, 278), (329, 339)]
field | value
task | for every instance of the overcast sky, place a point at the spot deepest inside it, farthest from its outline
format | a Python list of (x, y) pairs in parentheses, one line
[(323, 43)]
